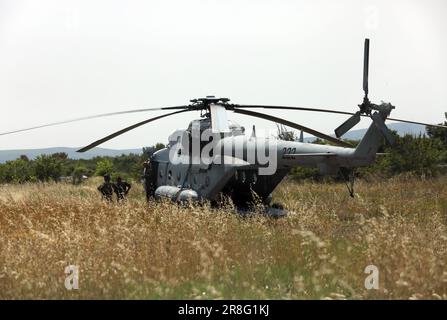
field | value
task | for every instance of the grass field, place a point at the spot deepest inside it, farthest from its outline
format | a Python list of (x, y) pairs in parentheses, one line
[(164, 251)]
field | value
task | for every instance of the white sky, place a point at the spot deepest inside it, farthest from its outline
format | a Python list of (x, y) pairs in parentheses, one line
[(66, 59)]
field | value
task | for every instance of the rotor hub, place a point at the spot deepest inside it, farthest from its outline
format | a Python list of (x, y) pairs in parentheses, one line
[(384, 108), (203, 103)]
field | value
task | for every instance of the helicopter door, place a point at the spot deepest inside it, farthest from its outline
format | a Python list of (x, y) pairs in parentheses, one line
[(162, 172)]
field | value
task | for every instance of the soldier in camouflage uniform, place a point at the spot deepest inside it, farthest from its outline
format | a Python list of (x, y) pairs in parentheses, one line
[(106, 188), (147, 177), (121, 189)]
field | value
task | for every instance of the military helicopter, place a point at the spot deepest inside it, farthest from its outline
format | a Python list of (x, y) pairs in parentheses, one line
[(188, 169)]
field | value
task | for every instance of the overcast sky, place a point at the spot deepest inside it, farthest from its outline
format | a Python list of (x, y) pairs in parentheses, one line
[(68, 59)]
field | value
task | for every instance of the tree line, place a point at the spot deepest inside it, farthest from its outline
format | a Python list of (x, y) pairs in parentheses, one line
[(57, 167)]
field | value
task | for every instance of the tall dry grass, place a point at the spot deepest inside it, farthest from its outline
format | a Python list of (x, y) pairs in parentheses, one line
[(164, 251)]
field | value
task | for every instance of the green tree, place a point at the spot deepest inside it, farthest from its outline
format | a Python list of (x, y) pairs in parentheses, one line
[(60, 155), (441, 135), (16, 171), (48, 167), (438, 133), (78, 172), (104, 166), (420, 155), (149, 151)]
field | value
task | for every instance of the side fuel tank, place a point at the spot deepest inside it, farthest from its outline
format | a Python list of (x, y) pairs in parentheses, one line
[(176, 194)]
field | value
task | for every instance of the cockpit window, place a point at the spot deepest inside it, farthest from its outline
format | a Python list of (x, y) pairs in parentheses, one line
[(205, 124)]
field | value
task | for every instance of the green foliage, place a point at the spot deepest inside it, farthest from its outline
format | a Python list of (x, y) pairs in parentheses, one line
[(149, 151), (159, 146), (43, 168), (58, 165), (78, 172), (421, 155), (301, 173), (104, 166), (418, 155), (49, 167), (16, 171), (438, 133)]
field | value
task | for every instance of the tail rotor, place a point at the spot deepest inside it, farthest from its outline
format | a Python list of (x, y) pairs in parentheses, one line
[(378, 113)]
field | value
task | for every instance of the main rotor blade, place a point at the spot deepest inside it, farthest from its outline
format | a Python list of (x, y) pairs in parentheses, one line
[(347, 125), (366, 66), (328, 111), (93, 117), (421, 123), (254, 106), (293, 125), (120, 132)]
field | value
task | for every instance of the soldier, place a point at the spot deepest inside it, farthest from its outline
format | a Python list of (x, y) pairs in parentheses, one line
[(106, 188), (147, 176), (121, 189)]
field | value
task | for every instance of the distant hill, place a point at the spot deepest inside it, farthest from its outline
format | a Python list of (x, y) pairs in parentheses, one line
[(401, 128), (6, 155)]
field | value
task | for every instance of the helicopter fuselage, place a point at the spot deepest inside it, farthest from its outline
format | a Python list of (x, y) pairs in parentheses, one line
[(241, 167)]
